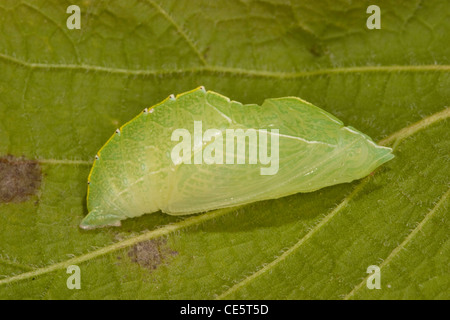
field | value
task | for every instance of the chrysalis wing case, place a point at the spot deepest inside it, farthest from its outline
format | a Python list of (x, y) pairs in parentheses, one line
[(200, 151)]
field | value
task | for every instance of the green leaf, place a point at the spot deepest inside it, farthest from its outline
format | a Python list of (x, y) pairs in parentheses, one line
[(64, 92)]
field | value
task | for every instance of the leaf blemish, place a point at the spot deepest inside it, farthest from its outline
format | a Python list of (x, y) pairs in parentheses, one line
[(151, 253), (19, 178), (318, 50)]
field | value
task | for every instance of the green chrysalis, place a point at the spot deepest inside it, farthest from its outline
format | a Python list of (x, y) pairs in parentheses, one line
[(200, 151)]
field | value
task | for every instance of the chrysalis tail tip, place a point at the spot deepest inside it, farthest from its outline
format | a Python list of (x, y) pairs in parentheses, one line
[(86, 226), (385, 155), (96, 219)]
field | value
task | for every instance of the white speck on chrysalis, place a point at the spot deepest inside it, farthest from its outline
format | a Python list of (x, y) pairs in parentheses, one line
[(203, 89), (88, 182), (172, 97), (145, 110), (151, 110), (118, 131), (97, 157)]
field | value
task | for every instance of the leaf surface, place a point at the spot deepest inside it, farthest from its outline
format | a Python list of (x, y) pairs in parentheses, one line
[(64, 92)]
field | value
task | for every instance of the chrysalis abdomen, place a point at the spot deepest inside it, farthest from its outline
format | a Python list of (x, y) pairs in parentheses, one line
[(200, 151)]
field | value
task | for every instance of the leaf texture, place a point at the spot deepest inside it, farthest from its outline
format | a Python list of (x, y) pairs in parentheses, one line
[(63, 92)]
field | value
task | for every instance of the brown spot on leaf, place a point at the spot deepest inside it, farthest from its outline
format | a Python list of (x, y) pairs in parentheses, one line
[(151, 253), (318, 50), (19, 178)]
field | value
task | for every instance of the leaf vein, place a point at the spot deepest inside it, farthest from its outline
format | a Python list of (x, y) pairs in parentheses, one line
[(405, 242), (62, 29), (297, 245), (395, 137), (160, 232), (180, 30), (197, 220), (223, 70)]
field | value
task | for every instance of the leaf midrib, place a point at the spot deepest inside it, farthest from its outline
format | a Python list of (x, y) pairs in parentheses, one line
[(197, 220), (228, 70)]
